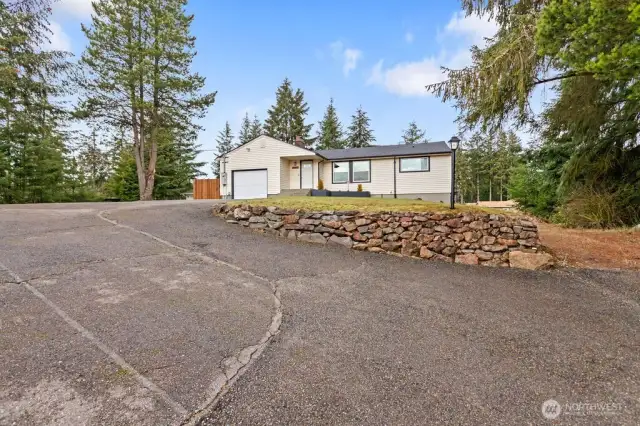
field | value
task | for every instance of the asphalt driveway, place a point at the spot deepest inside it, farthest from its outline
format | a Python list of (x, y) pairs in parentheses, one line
[(143, 315)]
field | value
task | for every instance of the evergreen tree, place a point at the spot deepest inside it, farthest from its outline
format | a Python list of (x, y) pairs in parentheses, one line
[(123, 183), (359, 133), (413, 134), (177, 167), (507, 156), (487, 161), (224, 144), (286, 119), (74, 181), (465, 182), (484, 165), (93, 161), (587, 52), (244, 135), (138, 77), (299, 112), (330, 134), (33, 151), (476, 160), (255, 129)]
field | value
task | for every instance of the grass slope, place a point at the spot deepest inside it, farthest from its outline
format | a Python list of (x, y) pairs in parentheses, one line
[(363, 204)]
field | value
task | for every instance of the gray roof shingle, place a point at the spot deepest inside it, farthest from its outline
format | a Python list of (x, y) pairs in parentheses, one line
[(385, 151)]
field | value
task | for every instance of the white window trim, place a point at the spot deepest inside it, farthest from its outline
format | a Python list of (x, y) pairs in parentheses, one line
[(428, 169), (333, 176), (352, 171)]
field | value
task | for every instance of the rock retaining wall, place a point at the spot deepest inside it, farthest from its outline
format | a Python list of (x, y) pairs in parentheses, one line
[(470, 238)]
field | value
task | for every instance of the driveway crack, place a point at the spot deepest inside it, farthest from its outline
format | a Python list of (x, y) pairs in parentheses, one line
[(237, 364)]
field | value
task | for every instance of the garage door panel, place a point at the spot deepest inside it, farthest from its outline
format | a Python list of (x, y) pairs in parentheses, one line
[(249, 184)]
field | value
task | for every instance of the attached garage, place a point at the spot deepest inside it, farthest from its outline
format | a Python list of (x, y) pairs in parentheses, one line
[(264, 167), (248, 184)]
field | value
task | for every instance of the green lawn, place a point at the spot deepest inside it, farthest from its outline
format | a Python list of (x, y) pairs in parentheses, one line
[(363, 204)]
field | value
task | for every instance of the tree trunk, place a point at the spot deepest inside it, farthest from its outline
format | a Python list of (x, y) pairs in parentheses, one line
[(137, 129), (490, 189), (147, 193), (477, 187), (143, 170)]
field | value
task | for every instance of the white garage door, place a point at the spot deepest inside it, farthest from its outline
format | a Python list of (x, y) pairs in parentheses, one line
[(249, 184)]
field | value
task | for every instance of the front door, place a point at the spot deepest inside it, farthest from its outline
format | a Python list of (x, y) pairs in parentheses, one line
[(306, 174)]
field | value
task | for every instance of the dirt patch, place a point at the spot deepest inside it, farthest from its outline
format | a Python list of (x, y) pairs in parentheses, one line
[(586, 248)]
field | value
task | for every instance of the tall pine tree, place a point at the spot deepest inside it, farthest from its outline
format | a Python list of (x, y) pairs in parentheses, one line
[(93, 161), (177, 166), (330, 134), (138, 77), (359, 133), (33, 152), (224, 144), (413, 134), (286, 119), (244, 135), (255, 129)]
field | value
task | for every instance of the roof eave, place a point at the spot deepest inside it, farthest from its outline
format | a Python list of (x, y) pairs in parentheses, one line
[(386, 156)]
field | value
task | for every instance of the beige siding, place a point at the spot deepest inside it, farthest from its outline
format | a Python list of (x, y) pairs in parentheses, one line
[(437, 180), (261, 153), (284, 174), (381, 178)]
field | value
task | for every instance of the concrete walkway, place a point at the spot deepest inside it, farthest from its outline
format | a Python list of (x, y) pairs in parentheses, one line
[(142, 314)]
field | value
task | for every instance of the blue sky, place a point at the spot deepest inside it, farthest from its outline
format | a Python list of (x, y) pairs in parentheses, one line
[(378, 54)]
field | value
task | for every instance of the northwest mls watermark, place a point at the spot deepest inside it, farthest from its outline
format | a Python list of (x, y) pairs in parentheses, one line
[(552, 409)]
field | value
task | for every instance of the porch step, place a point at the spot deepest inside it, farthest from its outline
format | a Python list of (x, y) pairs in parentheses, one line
[(294, 192)]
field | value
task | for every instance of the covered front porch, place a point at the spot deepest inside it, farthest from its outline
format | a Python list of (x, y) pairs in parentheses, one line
[(299, 172)]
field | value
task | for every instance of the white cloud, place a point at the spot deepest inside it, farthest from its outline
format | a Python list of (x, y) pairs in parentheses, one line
[(76, 8), (410, 78), (408, 37), (58, 39), (407, 78), (349, 57), (472, 27)]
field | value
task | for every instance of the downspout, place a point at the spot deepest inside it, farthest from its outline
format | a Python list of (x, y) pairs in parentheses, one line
[(394, 178)]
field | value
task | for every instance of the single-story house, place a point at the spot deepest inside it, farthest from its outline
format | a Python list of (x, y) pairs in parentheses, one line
[(266, 166)]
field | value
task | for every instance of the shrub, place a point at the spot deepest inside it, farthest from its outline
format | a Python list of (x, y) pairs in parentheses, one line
[(533, 190), (320, 184), (359, 187), (588, 207)]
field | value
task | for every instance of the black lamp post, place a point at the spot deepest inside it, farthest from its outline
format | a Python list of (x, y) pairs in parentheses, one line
[(453, 142)]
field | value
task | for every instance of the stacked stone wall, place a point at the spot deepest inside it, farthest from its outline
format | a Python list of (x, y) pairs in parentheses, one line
[(470, 238)]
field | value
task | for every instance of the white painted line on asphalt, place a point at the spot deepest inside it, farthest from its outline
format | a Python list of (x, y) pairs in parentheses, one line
[(179, 409)]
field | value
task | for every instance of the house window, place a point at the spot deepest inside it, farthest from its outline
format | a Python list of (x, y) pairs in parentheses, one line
[(341, 172), (417, 164), (361, 171)]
